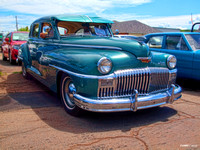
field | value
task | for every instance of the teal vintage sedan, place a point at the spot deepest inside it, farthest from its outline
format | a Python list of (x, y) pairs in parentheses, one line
[(78, 57)]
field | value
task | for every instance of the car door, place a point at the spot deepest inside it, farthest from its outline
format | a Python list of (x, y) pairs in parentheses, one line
[(176, 45), (196, 65), (45, 45), (42, 44), (33, 49), (194, 42)]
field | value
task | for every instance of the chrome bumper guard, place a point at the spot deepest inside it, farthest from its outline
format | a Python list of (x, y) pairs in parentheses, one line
[(132, 103)]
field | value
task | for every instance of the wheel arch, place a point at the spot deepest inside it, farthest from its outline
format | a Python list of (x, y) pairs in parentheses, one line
[(58, 80)]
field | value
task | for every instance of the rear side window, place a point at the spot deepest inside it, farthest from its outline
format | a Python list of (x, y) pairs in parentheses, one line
[(35, 32), (155, 42), (175, 43), (62, 31)]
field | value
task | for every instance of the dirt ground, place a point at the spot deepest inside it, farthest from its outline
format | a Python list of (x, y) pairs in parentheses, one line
[(31, 117)]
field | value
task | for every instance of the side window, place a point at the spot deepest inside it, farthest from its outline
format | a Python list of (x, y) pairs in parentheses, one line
[(62, 31), (80, 32), (35, 32), (175, 43), (47, 30), (155, 42)]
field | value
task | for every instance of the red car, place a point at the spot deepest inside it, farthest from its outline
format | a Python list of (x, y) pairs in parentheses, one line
[(11, 44)]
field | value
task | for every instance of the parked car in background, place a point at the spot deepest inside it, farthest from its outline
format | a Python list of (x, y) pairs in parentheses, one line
[(1, 40), (77, 57), (195, 27), (11, 45), (132, 37), (140, 39), (184, 45)]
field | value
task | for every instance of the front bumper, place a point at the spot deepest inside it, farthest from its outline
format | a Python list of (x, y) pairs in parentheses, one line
[(132, 103)]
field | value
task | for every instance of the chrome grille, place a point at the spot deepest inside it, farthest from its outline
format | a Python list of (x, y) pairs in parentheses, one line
[(124, 82)]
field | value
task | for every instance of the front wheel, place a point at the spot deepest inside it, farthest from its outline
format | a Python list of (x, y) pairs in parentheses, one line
[(67, 89)]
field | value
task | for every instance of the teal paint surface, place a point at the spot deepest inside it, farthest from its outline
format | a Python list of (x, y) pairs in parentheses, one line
[(81, 55)]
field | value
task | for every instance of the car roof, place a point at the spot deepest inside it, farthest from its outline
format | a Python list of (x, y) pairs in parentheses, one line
[(75, 18), (172, 33)]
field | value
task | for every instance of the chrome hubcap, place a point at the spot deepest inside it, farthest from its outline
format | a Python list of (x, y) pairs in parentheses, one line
[(68, 90), (23, 70)]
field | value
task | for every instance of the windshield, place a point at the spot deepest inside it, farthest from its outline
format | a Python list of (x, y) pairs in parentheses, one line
[(194, 40), (83, 29), (20, 36)]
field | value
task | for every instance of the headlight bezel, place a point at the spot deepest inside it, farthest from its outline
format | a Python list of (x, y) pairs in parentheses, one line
[(107, 68), (171, 62)]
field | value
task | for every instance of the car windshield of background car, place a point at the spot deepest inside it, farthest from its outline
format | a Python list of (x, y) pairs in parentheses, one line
[(194, 40), (20, 36), (83, 29)]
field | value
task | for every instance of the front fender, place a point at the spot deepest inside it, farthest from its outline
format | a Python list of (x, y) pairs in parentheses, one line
[(24, 54), (158, 59)]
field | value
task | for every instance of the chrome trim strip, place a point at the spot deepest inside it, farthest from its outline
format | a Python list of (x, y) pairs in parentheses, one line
[(143, 58), (82, 46), (134, 101), (112, 75), (92, 46), (126, 103), (33, 69), (89, 18), (172, 94), (82, 75)]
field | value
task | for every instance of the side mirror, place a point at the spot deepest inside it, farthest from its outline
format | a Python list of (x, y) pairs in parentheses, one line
[(7, 39)]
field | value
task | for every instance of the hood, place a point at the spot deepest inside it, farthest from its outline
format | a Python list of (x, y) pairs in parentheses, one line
[(134, 47)]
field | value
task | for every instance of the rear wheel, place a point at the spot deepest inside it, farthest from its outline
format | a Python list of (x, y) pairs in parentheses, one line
[(10, 59), (67, 89), (25, 74)]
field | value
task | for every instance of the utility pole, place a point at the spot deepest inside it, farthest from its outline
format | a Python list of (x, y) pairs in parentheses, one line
[(16, 23), (191, 19)]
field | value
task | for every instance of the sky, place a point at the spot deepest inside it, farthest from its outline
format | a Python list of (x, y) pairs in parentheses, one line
[(155, 13)]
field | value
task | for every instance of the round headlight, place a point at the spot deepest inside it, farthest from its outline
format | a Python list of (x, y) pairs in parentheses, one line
[(171, 62), (104, 65)]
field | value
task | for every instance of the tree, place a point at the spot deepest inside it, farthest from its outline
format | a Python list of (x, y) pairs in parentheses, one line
[(24, 29)]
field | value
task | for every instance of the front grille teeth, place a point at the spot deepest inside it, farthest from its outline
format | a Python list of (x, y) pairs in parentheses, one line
[(145, 81)]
